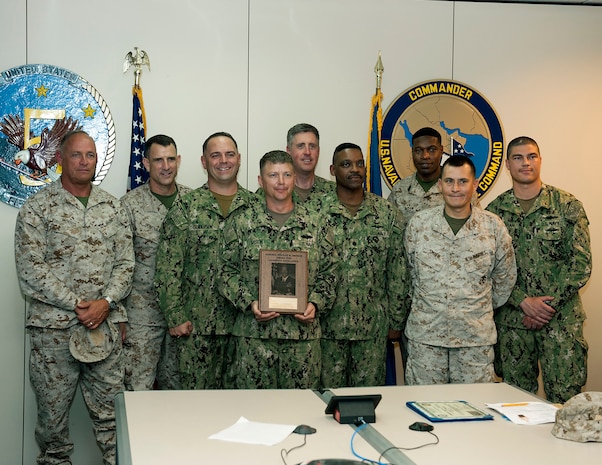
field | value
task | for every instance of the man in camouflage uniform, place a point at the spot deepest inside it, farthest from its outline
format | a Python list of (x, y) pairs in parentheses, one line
[(274, 350), (543, 319), (150, 352), (372, 288), (303, 145), (188, 261), (420, 191), (462, 266), (74, 257)]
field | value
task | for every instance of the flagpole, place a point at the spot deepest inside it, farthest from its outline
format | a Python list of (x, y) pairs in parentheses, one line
[(373, 183), (379, 70), (137, 174)]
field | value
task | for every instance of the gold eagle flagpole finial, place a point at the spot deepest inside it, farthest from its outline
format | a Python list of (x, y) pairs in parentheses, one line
[(137, 58), (378, 70)]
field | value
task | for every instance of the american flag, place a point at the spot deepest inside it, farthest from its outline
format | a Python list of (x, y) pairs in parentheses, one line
[(137, 174)]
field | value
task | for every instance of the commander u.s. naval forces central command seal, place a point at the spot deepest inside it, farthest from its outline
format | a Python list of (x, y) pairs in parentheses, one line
[(468, 125), (39, 103)]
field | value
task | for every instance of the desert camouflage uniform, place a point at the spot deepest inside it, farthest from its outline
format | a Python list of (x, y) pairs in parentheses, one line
[(370, 295), (283, 352), (188, 262), (66, 253), (457, 281), (150, 352), (554, 258), (409, 196)]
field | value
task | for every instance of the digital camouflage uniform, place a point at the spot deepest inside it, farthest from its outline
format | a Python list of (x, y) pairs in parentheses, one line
[(370, 295), (409, 196), (283, 352), (319, 193), (188, 262), (553, 255), (150, 351), (66, 253), (457, 281)]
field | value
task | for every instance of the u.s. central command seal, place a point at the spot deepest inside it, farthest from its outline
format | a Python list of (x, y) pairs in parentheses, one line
[(468, 125), (38, 105)]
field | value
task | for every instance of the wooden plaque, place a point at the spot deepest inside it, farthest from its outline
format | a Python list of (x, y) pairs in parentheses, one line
[(282, 281)]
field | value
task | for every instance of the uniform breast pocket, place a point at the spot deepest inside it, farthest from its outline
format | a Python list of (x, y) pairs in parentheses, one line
[(550, 238), (206, 237), (429, 264), (61, 244), (106, 232), (478, 264)]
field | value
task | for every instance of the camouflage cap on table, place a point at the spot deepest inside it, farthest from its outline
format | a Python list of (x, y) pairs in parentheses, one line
[(580, 419)]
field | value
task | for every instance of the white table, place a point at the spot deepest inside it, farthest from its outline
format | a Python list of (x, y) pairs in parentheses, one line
[(172, 427), (475, 442)]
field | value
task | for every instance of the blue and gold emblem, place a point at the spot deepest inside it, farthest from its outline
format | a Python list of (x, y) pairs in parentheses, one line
[(39, 103), (467, 122)]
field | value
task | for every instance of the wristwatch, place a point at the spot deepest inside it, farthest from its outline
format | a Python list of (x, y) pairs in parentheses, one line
[(112, 304)]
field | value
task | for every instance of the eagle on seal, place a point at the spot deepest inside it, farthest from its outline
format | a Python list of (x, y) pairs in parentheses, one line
[(42, 156)]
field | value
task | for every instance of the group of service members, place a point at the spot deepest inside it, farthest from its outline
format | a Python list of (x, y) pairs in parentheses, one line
[(472, 292)]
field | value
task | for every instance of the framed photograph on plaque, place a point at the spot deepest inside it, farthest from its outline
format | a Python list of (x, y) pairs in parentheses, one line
[(282, 281)]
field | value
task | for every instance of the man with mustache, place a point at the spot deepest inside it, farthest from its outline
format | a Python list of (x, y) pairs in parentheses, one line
[(372, 287), (420, 191), (462, 266)]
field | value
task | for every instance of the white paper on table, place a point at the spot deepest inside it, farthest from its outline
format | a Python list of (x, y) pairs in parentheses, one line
[(251, 432), (527, 413)]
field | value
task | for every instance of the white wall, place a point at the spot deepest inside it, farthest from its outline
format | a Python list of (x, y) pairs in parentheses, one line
[(255, 68), (12, 313)]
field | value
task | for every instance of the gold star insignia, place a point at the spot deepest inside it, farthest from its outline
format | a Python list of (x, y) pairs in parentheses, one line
[(42, 91), (89, 112)]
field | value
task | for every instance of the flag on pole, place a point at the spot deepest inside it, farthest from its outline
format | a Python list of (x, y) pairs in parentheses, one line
[(373, 183), (376, 124), (137, 174)]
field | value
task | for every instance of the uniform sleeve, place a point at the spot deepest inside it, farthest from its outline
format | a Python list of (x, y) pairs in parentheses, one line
[(170, 262), (393, 196), (36, 278), (517, 295), (503, 276), (397, 277), (323, 292), (120, 282), (409, 249), (576, 270), (231, 282)]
